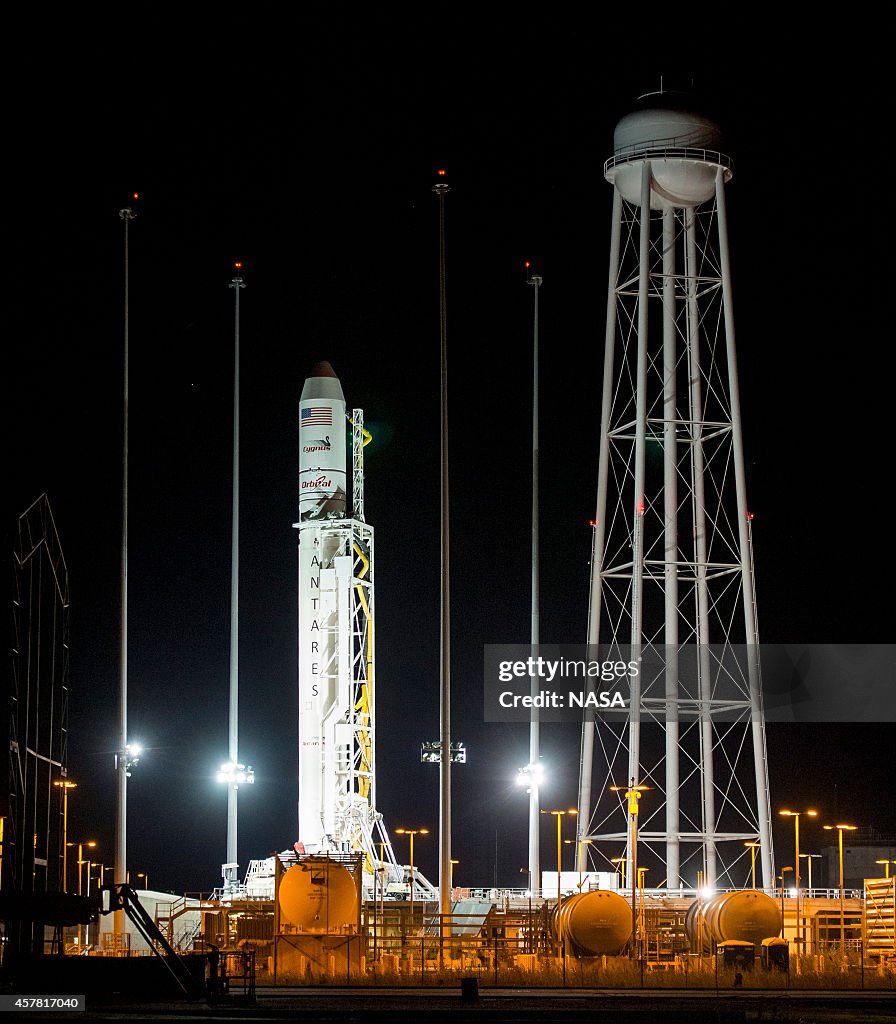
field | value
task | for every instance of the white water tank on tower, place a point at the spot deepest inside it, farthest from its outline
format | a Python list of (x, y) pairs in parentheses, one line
[(683, 147)]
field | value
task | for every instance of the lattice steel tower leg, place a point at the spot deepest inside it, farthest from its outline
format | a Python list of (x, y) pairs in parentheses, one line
[(671, 570)]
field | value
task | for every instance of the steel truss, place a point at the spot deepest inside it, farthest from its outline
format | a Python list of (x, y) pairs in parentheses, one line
[(672, 563), (347, 721)]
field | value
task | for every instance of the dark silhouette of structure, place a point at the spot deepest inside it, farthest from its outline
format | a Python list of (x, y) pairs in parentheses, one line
[(35, 723)]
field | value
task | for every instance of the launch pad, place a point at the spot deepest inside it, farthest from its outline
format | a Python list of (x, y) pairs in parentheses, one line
[(318, 931)]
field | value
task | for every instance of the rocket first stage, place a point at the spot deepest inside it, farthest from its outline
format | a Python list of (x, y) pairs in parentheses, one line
[(337, 784)]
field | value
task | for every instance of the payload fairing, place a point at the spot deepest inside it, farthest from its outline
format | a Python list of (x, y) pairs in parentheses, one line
[(337, 782), (322, 474)]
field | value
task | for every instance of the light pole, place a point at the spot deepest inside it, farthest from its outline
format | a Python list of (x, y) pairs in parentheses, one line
[(81, 858), (81, 861), (621, 862), (753, 846), (145, 877), (441, 189), (781, 876), (579, 843), (809, 857), (840, 830), (699, 895), (641, 873), (381, 871), (532, 777), (234, 775), (529, 943), (886, 864), (451, 880), (237, 285), (125, 759), (800, 937), (122, 763), (65, 785), (633, 795), (559, 817), (412, 832), (796, 839), (534, 633)]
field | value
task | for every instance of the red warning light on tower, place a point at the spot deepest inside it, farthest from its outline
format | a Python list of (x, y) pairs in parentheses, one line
[(440, 186), (532, 275)]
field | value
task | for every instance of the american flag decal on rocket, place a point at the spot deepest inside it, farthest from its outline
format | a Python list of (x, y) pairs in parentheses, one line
[(317, 416)]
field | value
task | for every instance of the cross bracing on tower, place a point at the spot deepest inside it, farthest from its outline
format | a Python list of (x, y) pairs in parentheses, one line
[(672, 563)]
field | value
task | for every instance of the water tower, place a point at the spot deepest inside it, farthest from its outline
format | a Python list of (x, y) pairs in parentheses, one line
[(672, 568)]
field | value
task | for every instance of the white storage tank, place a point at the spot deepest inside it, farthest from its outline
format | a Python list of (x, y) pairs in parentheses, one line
[(684, 149)]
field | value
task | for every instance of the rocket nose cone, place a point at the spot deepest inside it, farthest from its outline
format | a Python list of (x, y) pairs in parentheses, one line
[(322, 383), (322, 370)]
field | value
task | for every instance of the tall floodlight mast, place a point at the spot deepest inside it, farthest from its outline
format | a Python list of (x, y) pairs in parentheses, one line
[(123, 759), (233, 730), (672, 568), (233, 773), (441, 189), (534, 766)]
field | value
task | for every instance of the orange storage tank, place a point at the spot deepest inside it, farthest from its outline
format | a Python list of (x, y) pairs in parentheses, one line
[(593, 923)]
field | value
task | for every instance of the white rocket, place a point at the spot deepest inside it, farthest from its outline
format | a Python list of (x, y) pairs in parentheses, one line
[(322, 446), (337, 788)]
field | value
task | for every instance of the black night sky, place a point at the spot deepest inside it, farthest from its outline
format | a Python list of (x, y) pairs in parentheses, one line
[(305, 145)]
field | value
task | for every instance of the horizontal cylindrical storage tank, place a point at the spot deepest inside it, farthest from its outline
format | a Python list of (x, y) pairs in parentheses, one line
[(597, 923), (747, 915), (319, 895)]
